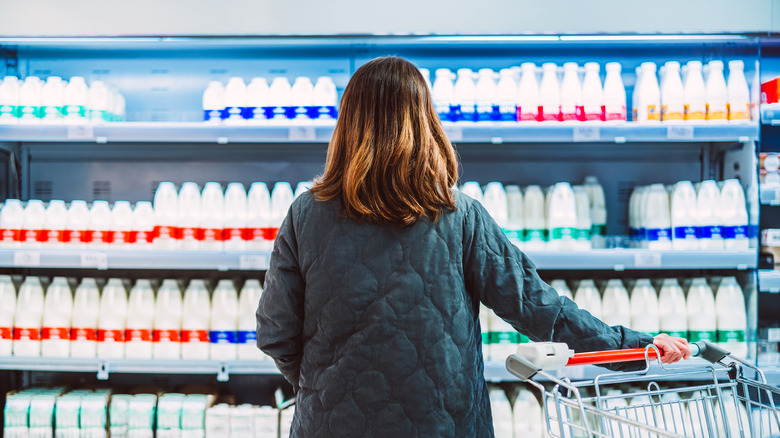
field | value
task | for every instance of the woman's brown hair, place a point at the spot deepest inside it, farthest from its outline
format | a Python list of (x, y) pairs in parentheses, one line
[(389, 160)]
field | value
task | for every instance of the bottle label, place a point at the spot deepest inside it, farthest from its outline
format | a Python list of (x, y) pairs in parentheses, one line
[(656, 234), (223, 337), (683, 233), (694, 113), (592, 113), (731, 336), (164, 232), (528, 114), (562, 233), (186, 233), (717, 112), (504, 337), (6, 333), (270, 233), (138, 335), (103, 236), (252, 234), (709, 232), (515, 234), (485, 338), (211, 115), (8, 111), (485, 111), (739, 112), (209, 235), (233, 234), (507, 112), (653, 113), (194, 336), (549, 114), (735, 232), (677, 334), (27, 334), (29, 112), (251, 113), (752, 231), (468, 112), (51, 112), (159, 335), (110, 335), (612, 113), (83, 334), (78, 111), (144, 237), (673, 114), (100, 115), (705, 335), (247, 337), (568, 116), (535, 235), (55, 334), (582, 234), (88, 236), (7, 235), (599, 230), (127, 237), (289, 112)]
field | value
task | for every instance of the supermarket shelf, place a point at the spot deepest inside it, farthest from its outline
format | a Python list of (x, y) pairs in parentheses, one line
[(321, 132), (769, 281), (630, 259)]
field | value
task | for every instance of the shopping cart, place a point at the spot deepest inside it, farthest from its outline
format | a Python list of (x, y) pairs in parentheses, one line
[(727, 397)]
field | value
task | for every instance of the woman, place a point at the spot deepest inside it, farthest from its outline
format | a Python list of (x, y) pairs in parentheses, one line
[(371, 302)]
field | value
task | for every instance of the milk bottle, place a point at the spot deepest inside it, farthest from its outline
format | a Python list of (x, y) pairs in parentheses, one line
[(503, 338), (444, 94), (78, 224), (534, 219), (235, 101), (279, 99), (302, 187), (28, 318), (122, 225), (55, 224), (495, 202), (212, 217), (11, 220), (473, 190), (506, 95), (32, 228), (258, 218), (739, 94), (684, 217), (636, 96), (76, 100), (484, 325), (7, 310), (672, 309), (30, 100), (702, 315), (189, 211), (752, 202), (195, 321), (616, 305), (562, 218), (731, 317), (502, 413), (588, 298), (734, 215), (717, 93), (235, 217), (57, 314), (644, 308), (99, 223), (213, 102), (528, 94), (514, 228), (302, 96), (465, 96), (592, 94), (695, 93), (9, 99), (649, 106), (634, 215), (657, 219), (166, 202), (256, 99), (112, 320), (598, 206), (143, 225), (550, 94), (166, 339), (52, 100), (486, 95), (571, 93), (281, 199), (614, 94), (562, 288), (426, 74), (98, 104), (140, 321), (120, 114), (223, 334), (708, 218), (84, 322), (248, 301), (527, 416), (326, 98), (582, 235), (672, 94)]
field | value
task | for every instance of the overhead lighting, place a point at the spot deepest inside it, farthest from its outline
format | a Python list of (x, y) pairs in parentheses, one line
[(651, 37)]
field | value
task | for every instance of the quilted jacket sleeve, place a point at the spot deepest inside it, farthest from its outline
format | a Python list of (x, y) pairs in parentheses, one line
[(280, 312), (505, 280)]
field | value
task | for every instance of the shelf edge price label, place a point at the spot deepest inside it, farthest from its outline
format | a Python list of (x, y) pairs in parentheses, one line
[(96, 260), (81, 132), (679, 132), (252, 262), (454, 133), (27, 258), (302, 133), (647, 260), (770, 237), (586, 133)]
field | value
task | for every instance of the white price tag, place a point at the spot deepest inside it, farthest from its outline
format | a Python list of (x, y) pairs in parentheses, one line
[(573, 373), (647, 260), (679, 132), (302, 133), (770, 237), (81, 132), (96, 260), (252, 262), (27, 258), (454, 133), (586, 133)]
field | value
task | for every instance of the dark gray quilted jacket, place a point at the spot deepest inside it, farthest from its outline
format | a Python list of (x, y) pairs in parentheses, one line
[(377, 327)]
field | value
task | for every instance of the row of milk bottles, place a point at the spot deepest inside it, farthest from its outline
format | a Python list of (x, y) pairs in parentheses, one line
[(707, 216), (521, 419), (518, 94), (684, 95), (246, 421), (109, 323), (566, 217), (236, 102), (55, 100)]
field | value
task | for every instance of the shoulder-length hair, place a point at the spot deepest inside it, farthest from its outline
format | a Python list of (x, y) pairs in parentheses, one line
[(389, 160)]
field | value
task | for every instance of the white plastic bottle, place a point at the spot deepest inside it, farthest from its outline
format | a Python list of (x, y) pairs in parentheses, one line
[(702, 315), (486, 95), (592, 94), (256, 98), (739, 93), (502, 413), (166, 338), (588, 298), (302, 96), (473, 190), (708, 216), (326, 98), (189, 211), (98, 102), (527, 416), (571, 93), (258, 217), (734, 217), (279, 96), (616, 305), (658, 219), (636, 96), (443, 93), (9, 99), (121, 225), (99, 225), (672, 94), (584, 226), (562, 288), (112, 320), (248, 300), (302, 187), (213, 102), (235, 101), (7, 311), (57, 315), (550, 94), (598, 206), (534, 219), (528, 94), (223, 332), (212, 217), (562, 218), (84, 322), (55, 224), (78, 224), (731, 317), (32, 227), (614, 94), (649, 106), (672, 309), (717, 93), (76, 100), (143, 225), (495, 203), (195, 321), (166, 202), (53, 100), (515, 228), (465, 96), (281, 199), (30, 100), (140, 321), (503, 338), (634, 220), (684, 217), (28, 318), (644, 308), (11, 222), (235, 217), (506, 95), (695, 93)]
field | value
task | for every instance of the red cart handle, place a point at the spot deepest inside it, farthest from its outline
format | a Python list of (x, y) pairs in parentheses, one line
[(602, 357)]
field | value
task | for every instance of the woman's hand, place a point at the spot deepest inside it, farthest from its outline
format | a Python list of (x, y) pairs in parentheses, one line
[(672, 349)]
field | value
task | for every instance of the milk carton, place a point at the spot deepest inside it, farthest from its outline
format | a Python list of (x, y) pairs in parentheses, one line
[(143, 225), (731, 317), (506, 95), (235, 217), (28, 318), (76, 100), (9, 99), (213, 102), (248, 301), (672, 94), (165, 216), (562, 218), (140, 321), (57, 315), (486, 95), (302, 97), (279, 99), (583, 233), (571, 93), (235, 101), (167, 321), (588, 298), (717, 93), (695, 93), (32, 227), (257, 98), (326, 98), (189, 211), (550, 94), (259, 232), (212, 217), (616, 305), (734, 215), (7, 311), (55, 224), (444, 94), (515, 221), (739, 94), (702, 315), (684, 217), (592, 94), (534, 219), (121, 225), (614, 94), (644, 308), (11, 220), (465, 96), (708, 216), (528, 102), (495, 203), (223, 334), (84, 322), (30, 94), (672, 309), (99, 232), (195, 321)]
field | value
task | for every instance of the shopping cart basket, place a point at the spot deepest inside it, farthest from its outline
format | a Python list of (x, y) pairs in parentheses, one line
[(727, 397)]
